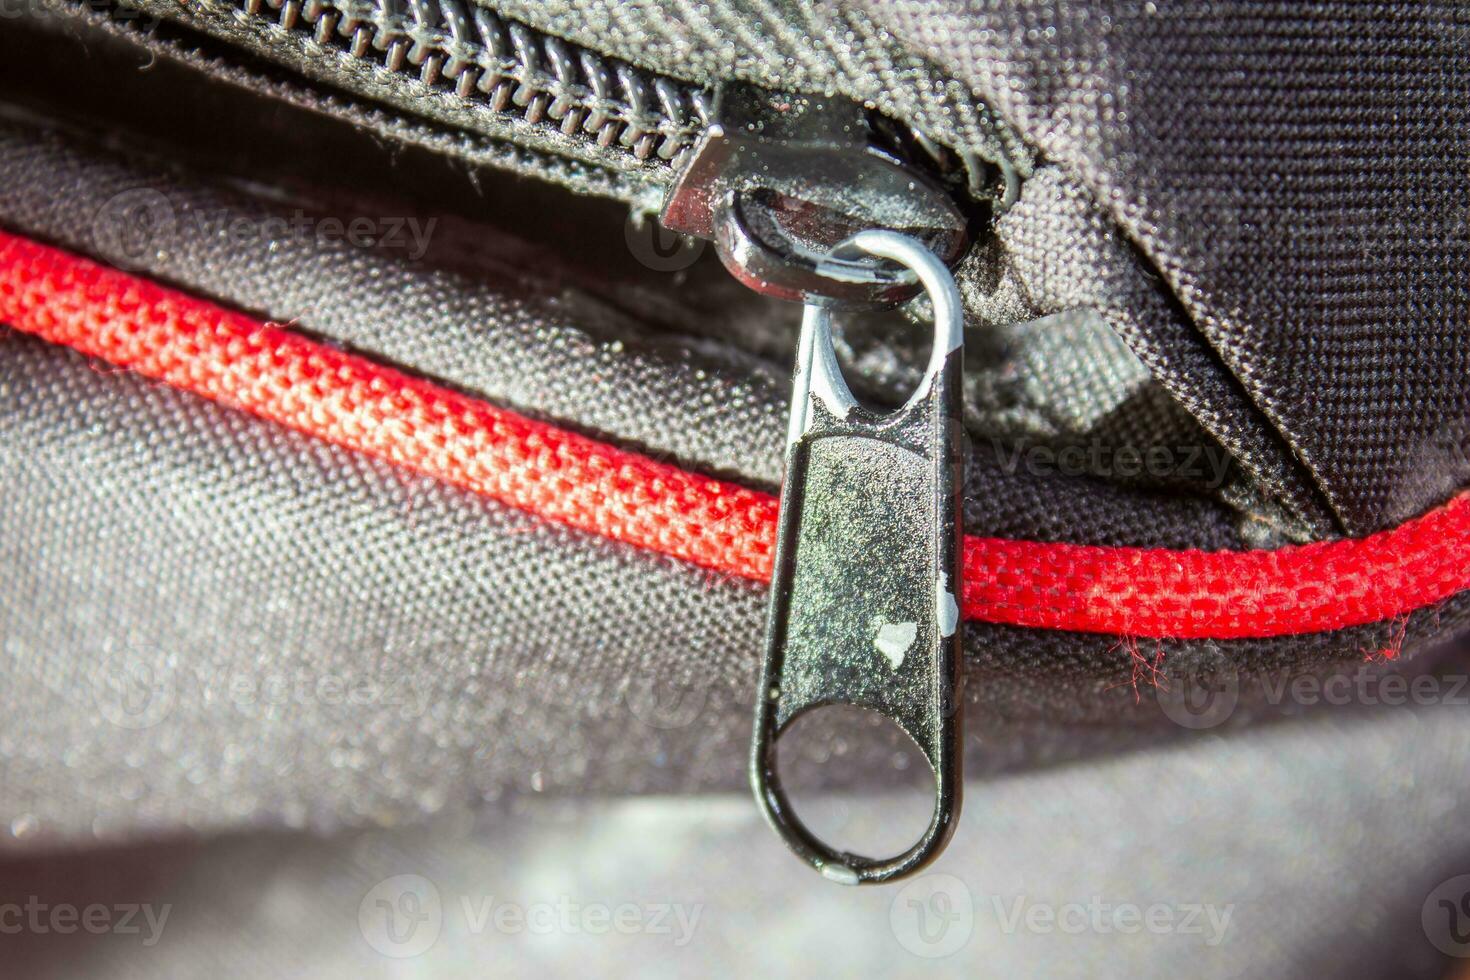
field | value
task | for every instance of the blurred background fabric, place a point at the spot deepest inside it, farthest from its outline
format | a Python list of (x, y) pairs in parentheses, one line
[(1315, 843)]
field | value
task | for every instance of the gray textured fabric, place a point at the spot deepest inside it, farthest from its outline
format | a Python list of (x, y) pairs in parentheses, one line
[(215, 623), (1321, 840), (222, 624), (525, 338), (266, 630)]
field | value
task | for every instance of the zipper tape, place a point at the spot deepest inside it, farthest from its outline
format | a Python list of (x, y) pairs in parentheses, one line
[(348, 399)]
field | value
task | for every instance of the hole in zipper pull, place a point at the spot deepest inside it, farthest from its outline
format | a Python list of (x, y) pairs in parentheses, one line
[(855, 779), (864, 596)]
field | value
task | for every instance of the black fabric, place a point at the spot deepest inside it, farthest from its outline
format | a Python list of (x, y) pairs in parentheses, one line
[(324, 642), (1295, 177), (1298, 174), (1069, 254), (148, 530)]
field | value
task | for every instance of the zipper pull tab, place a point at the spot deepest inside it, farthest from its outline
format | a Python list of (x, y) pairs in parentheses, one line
[(864, 605)]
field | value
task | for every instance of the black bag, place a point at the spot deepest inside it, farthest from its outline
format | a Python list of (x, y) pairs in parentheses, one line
[(373, 451)]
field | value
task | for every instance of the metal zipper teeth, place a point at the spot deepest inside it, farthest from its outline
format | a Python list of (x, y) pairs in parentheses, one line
[(508, 66)]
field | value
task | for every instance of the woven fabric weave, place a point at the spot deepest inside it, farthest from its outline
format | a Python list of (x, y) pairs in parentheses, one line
[(1294, 176), (152, 526), (628, 498)]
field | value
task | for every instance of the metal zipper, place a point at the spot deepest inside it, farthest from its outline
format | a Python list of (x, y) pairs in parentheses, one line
[(779, 182), (514, 69), (864, 607), (807, 198), (780, 179)]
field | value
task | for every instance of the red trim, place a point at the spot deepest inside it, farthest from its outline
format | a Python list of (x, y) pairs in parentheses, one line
[(351, 401)]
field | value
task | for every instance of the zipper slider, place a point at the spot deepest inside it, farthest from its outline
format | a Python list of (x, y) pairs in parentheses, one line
[(777, 180), (864, 604)]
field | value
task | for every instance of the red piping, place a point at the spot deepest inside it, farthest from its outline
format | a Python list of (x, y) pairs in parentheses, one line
[(349, 400)]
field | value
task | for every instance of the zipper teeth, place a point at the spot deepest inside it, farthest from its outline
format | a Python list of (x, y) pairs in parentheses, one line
[(551, 85), (508, 66)]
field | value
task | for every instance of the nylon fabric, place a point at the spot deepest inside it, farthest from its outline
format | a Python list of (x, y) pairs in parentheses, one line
[(597, 488)]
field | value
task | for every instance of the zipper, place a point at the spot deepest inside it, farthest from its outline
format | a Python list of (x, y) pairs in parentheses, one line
[(780, 181), (862, 604), (868, 564), (557, 101), (507, 67), (775, 179), (866, 557), (543, 81)]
